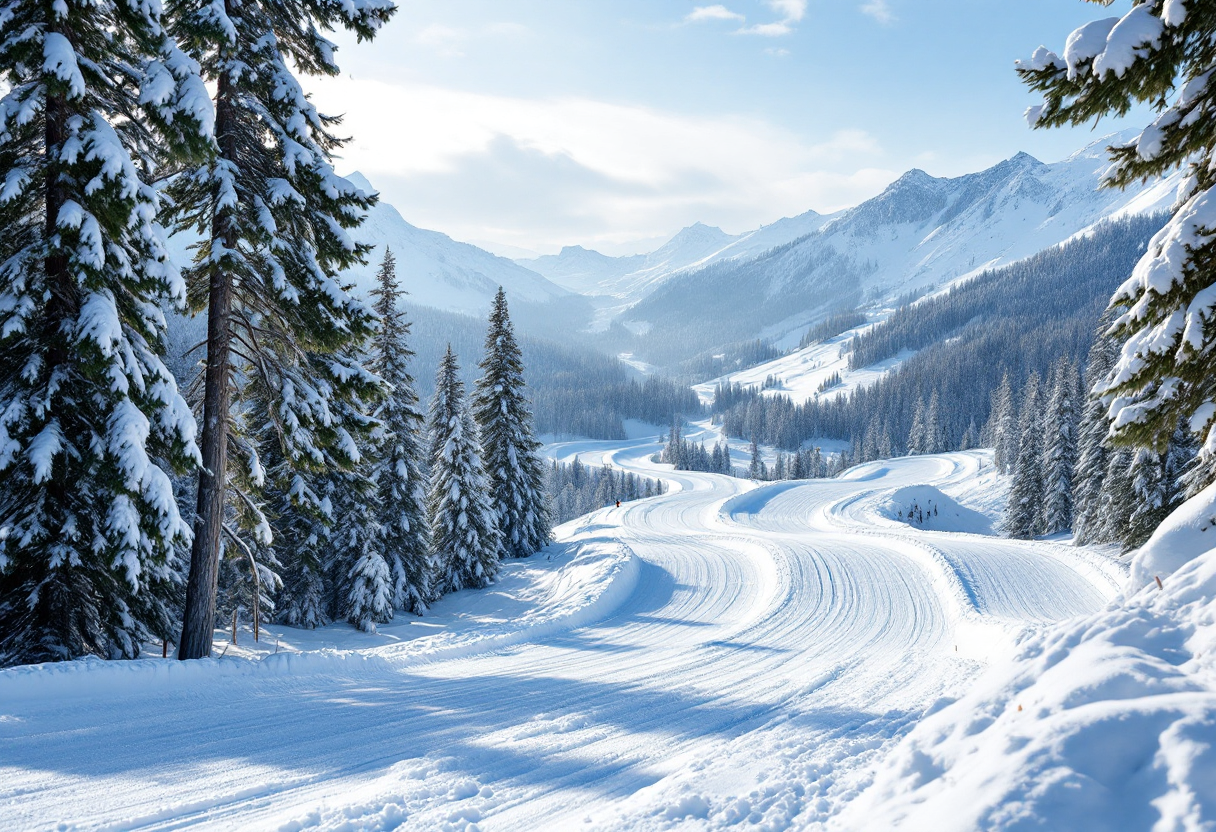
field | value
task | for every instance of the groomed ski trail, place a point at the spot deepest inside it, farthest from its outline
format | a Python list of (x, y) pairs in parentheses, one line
[(721, 653)]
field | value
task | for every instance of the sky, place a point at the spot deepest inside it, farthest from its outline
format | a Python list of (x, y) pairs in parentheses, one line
[(527, 125)]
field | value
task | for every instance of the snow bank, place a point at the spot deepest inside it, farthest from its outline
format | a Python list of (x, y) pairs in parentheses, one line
[(1187, 532), (596, 578), (1105, 722), (925, 507)]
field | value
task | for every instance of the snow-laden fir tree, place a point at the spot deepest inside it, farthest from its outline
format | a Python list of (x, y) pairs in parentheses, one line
[(1160, 52), (935, 437), (274, 219), (756, 469), (918, 438), (1060, 449), (464, 528), (1024, 509), (508, 441), (361, 575), (1003, 427), (1092, 445), (1117, 498), (95, 94), (1156, 483), (400, 488)]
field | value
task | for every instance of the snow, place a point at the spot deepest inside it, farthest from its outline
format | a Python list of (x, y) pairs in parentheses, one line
[(1105, 722), (438, 271), (804, 371), (726, 653), (925, 507), (1191, 530)]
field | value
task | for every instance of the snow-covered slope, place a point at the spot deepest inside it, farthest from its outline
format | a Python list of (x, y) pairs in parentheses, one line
[(722, 656), (631, 278), (920, 231), (1101, 724), (441, 272)]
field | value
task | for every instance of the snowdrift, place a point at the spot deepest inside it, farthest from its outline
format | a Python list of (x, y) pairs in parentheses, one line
[(925, 507), (1189, 530), (1103, 723), (563, 587)]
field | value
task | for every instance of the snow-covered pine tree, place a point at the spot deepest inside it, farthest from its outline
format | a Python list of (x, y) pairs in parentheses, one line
[(90, 417), (1161, 54), (1117, 499), (1156, 485), (917, 437), (464, 529), (935, 436), (1003, 427), (1092, 445), (363, 578), (1024, 510), (274, 217), (401, 492), (508, 440), (755, 469), (1060, 449)]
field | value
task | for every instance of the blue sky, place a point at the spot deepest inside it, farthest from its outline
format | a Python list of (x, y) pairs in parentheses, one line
[(540, 123)]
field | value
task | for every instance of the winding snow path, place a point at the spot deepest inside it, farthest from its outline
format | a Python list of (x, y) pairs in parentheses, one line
[(721, 653)]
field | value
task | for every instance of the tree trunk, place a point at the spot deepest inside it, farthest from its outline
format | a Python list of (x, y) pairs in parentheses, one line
[(199, 620)]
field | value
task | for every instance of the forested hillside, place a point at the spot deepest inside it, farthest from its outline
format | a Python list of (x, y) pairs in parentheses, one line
[(1017, 320)]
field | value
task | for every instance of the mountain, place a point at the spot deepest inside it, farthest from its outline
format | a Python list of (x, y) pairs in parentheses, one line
[(628, 279), (440, 272), (922, 231)]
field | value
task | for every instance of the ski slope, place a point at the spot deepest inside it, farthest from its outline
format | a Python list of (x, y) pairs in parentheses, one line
[(722, 653)]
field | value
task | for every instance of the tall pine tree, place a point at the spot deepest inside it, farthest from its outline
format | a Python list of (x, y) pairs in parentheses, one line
[(1024, 511), (1060, 450), (274, 220), (1092, 446), (508, 441), (401, 492), (464, 529), (90, 418), (1160, 54)]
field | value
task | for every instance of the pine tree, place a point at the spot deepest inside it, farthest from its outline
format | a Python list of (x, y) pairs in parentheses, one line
[(1004, 427), (508, 441), (934, 438), (401, 493), (1024, 512), (94, 96), (1160, 54), (1060, 450), (755, 470), (464, 529), (1156, 485), (1117, 499), (1092, 446), (917, 437), (274, 220), (363, 576)]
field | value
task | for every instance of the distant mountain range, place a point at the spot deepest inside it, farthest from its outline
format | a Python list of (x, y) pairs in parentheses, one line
[(705, 287)]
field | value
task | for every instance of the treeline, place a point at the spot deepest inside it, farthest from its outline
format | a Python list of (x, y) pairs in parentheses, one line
[(832, 326), (803, 464), (729, 359), (964, 363), (1054, 441), (576, 489)]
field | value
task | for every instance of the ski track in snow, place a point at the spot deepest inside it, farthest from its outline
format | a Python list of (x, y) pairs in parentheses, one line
[(720, 654)]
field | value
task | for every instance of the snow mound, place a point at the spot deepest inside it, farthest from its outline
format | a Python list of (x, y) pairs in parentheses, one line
[(1106, 722), (925, 507), (1186, 533)]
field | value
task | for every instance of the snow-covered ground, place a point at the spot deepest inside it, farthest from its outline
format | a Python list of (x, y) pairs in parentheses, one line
[(803, 372), (772, 657)]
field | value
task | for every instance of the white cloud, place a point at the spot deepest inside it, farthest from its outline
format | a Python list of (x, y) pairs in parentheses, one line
[(718, 12), (776, 52), (541, 172), (791, 11), (880, 10)]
